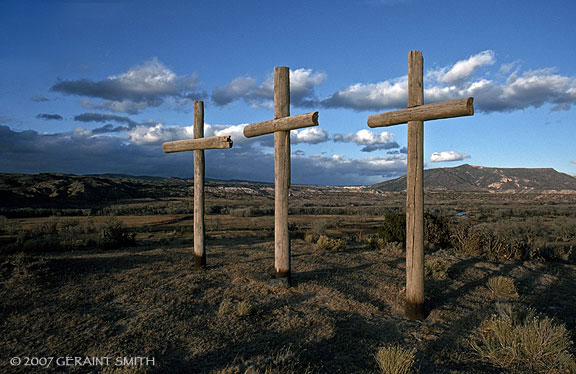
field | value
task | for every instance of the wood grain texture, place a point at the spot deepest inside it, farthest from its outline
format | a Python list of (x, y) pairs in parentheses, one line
[(446, 109), (281, 124), (281, 171), (199, 232), (213, 142), (415, 194)]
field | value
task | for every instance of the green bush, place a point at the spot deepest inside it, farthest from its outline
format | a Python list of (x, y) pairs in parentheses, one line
[(394, 228), (437, 231)]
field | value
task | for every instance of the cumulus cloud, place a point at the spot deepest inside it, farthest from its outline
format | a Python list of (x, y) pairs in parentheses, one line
[(370, 140), (448, 156), (464, 68), (48, 116), (83, 152), (159, 133), (142, 86), (311, 135), (302, 83), (508, 90), (373, 96)]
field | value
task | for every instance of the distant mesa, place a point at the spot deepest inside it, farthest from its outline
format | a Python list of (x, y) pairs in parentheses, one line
[(484, 179)]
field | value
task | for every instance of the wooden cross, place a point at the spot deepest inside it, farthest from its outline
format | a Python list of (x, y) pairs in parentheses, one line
[(198, 145), (415, 115), (281, 126)]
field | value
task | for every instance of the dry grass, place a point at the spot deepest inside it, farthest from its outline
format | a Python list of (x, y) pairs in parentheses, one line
[(147, 300), (521, 342), (502, 287), (394, 359)]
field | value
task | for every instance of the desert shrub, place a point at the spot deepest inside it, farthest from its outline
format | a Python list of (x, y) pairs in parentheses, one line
[(114, 234), (375, 242), (521, 342), (437, 231), (324, 243), (226, 308), (436, 269), (244, 308), (502, 287), (393, 359), (310, 238), (466, 239), (394, 228)]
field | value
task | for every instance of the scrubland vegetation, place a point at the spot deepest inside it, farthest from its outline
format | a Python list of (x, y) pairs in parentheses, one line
[(118, 279)]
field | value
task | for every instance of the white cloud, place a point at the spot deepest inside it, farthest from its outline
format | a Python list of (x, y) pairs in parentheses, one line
[(464, 68), (142, 86), (369, 139), (506, 90), (159, 133), (448, 156), (386, 94), (311, 135), (302, 83)]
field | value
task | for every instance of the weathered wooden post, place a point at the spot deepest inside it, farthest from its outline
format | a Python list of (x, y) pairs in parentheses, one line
[(198, 145), (415, 115), (281, 126)]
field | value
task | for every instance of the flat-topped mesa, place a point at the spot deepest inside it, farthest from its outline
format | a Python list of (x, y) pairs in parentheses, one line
[(281, 124), (427, 112), (214, 142)]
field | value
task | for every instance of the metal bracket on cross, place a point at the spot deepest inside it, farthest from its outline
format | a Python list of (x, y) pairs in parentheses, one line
[(281, 126), (415, 114), (198, 145)]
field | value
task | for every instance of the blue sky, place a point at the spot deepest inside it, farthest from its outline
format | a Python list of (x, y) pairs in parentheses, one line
[(97, 86)]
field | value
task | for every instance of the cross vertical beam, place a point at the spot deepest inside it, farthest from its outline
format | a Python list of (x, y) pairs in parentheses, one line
[(415, 114), (198, 145), (415, 194), (281, 175), (281, 126), (199, 164)]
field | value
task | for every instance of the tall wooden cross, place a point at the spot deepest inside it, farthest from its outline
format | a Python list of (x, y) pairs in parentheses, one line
[(415, 115), (281, 126), (198, 145)]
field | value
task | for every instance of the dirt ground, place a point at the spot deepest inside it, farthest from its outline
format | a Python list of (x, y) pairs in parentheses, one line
[(234, 318)]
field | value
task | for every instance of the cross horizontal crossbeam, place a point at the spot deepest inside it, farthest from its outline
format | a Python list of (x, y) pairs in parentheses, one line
[(213, 142), (281, 124), (445, 109)]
